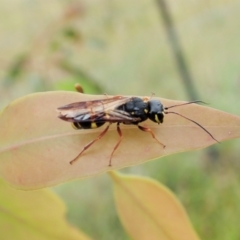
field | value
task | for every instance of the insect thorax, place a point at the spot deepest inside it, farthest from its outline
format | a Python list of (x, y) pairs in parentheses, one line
[(136, 107)]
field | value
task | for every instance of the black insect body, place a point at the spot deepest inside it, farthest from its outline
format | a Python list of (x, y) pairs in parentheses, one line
[(136, 108), (143, 109), (118, 109)]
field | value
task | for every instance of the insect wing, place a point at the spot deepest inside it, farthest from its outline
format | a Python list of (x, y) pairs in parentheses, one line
[(119, 116), (96, 110)]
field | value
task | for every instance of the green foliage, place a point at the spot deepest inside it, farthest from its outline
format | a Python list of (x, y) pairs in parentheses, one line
[(33, 215)]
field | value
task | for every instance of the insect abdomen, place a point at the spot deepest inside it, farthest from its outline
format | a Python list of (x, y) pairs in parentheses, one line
[(87, 125)]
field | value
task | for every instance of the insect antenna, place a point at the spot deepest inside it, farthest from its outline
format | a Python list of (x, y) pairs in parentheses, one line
[(182, 104)]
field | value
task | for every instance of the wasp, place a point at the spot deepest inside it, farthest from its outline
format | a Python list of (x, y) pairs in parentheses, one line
[(119, 110)]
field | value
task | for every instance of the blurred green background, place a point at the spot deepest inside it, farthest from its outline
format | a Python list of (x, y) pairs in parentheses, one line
[(177, 49)]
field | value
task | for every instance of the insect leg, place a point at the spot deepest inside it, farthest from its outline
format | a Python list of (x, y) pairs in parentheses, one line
[(118, 143), (146, 129), (91, 143)]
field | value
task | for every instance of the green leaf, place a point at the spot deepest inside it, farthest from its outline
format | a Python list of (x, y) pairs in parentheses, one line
[(37, 215), (148, 210), (36, 146)]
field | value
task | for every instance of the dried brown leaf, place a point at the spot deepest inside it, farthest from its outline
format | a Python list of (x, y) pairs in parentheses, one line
[(36, 146)]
